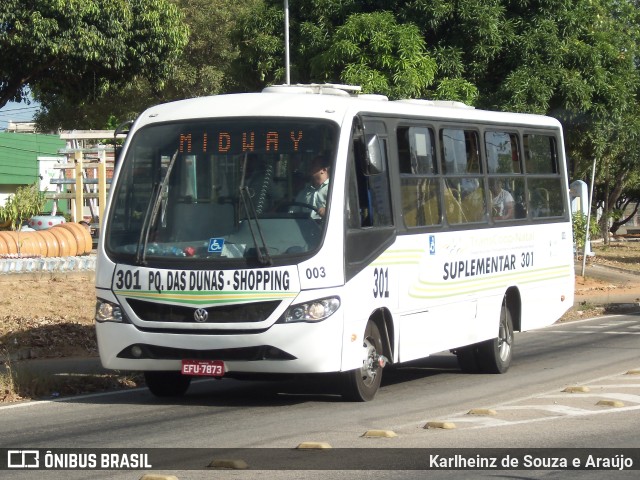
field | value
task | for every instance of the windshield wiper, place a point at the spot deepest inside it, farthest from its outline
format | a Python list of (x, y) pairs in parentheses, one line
[(262, 251), (152, 214)]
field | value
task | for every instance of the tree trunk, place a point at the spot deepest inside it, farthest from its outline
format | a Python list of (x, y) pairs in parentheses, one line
[(618, 223), (610, 199)]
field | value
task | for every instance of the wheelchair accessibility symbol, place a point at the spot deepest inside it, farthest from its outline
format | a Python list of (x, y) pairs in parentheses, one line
[(215, 245)]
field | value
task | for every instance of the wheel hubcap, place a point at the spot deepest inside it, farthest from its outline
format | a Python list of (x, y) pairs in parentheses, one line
[(504, 341), (369, 365)]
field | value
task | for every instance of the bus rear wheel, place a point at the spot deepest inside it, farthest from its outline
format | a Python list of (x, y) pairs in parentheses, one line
[(362, 383), (468, 359), (491, 356), (495, 355), (167, 384)]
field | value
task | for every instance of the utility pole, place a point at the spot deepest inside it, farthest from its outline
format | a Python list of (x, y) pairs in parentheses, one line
[(586, 236), (286, 42)]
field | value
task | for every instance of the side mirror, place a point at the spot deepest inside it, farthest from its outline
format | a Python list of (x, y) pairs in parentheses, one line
[(375, 156)]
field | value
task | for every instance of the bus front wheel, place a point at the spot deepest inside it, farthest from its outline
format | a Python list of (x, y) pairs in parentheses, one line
[(362, 383), (167, 384)]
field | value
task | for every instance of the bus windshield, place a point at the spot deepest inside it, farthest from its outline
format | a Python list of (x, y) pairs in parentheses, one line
[(216, 189)]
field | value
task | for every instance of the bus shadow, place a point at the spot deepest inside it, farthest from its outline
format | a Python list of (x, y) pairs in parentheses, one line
[(325, 388), (419, 369)]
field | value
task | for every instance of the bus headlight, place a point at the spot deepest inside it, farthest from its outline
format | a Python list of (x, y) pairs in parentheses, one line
[(108, 312), (315, 311)]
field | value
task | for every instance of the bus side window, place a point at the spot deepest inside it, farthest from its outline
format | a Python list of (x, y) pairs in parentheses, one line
[(378, 195), (503, 152), (404, 150), (368, 207), (544, 185), (503, 157), (519, 196), (540, 202), (540, 154), (358, 207), (419, 188), (546, 197), (374, 197), (352, 213), (464, 197)]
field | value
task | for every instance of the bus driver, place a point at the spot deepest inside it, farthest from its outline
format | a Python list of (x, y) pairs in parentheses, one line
[(315, 192)]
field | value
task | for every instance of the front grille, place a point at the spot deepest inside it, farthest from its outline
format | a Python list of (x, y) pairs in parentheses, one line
[(245, 312), (262, 352)]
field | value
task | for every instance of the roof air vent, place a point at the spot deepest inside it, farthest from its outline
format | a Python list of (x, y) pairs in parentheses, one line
[(315, 88), (435, 103)]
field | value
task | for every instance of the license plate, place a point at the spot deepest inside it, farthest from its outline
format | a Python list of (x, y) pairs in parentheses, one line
[(203, 368)]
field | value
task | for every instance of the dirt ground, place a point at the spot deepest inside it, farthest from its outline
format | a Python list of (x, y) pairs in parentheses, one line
[(47, 315), (585, 288)]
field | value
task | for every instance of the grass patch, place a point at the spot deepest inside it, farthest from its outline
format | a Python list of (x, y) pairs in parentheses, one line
[(623, 254), (23, 384), (7, 385), (585, 306)]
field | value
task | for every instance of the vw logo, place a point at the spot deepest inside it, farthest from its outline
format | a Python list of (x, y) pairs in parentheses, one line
[(200, 315)]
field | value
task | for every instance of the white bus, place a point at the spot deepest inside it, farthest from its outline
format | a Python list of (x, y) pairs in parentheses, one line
[(426, 227)]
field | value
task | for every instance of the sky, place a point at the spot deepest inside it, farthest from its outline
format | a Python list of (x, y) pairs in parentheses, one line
[(17, 112)]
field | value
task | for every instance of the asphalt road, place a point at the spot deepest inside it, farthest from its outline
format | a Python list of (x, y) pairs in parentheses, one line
[(528, 408)]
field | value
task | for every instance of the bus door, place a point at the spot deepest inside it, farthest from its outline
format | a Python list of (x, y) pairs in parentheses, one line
[(369, 231)]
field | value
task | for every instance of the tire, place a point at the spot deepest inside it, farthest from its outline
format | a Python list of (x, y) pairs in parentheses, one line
[(494, 356), (491, 356), (468, 359), (167, 384), (362, 383)]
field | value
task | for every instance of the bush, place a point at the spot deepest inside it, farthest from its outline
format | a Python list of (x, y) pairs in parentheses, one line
[(580, 230), (24, 204)]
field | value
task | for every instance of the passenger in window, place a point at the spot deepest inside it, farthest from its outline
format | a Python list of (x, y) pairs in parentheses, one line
[(540, 203), (472, 200), (469, 186), (315, 192), (502, 201)]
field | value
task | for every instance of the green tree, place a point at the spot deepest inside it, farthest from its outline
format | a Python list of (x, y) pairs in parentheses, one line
[(201, 68), (464, 38), (467, 38), (79, 49), (614, 142), (343, 42), (374, 51), (104, 111), (542, 56), (559, 57), (609, 132), (261, 49)]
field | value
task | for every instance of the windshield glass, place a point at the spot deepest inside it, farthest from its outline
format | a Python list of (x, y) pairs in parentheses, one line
[(223, 189)]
